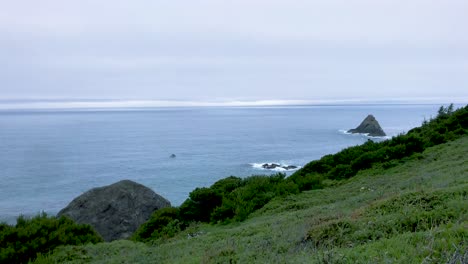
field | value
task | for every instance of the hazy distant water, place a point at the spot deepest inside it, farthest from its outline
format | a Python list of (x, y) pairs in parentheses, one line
[(47, 158)]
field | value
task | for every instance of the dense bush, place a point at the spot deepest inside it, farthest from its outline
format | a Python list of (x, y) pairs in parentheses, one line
[(234, 198), (162, 223), (40, 234), (253, 194), (203, 201), (309, 182), (228, 199)]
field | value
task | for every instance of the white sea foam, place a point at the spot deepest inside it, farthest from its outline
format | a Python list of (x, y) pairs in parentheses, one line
[(345, 132), (362, 134)]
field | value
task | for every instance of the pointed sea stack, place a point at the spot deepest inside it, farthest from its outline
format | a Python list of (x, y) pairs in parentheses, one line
[(369, 126)]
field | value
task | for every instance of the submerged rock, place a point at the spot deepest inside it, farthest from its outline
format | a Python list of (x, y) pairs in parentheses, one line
[(369, 126), (117, 210)]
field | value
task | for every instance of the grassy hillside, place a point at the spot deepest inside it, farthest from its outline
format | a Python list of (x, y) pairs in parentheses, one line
[(410, 212), (235, 199)]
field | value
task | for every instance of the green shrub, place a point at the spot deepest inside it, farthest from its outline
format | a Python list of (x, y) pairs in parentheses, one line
[(201, 202), (310, 181), (257, 191), (226, 185), (341, 171), (40, 234), (162, 223), (225, 212), (285, 188), (235, 198)]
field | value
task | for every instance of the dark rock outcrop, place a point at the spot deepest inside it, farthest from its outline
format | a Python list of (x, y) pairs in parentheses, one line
[(117, 210), (369, 126), (271, 166)]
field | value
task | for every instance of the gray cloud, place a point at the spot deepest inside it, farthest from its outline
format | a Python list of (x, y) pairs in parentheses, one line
[(239, 50)]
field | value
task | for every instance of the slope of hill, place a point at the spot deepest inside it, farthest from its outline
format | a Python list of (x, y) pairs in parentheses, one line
[(411, 212)]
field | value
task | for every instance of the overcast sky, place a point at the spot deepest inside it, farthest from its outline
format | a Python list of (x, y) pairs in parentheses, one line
[(234, 50)]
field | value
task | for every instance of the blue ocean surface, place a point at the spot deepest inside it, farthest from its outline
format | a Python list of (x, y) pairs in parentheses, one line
[(47, 158)]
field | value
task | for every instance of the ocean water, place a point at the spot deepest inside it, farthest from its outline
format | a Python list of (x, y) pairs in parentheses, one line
[(47, 158)]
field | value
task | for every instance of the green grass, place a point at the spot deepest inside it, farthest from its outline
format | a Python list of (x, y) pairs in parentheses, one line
[(413, 212)]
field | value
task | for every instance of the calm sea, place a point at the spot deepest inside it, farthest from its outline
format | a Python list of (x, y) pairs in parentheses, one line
[(47, 158)]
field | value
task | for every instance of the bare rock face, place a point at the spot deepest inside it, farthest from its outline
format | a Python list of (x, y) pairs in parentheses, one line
[(117, 210), (369, 126)]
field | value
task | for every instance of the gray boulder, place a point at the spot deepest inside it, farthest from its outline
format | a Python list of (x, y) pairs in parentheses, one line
[(369, 126), (117, 210)]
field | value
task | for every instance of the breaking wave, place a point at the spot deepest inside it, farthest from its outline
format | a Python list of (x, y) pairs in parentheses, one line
[(342, 131)]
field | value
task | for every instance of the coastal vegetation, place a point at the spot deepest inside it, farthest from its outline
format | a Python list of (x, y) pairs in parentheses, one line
[(41, 234), (413, 212), (401, 199)]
